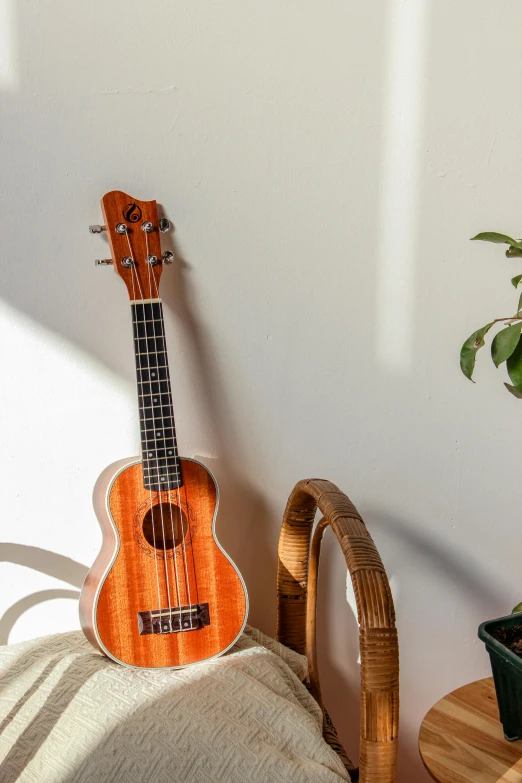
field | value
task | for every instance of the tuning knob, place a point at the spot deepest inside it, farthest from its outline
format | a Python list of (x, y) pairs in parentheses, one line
[(164, 224), (96, 229), (103, 261), (167, 257)]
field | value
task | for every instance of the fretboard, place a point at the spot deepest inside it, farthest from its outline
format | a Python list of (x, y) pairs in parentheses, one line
[(160, 460)]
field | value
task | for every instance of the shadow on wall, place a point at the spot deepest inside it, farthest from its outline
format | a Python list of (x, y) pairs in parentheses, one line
[(243, 515), (338, 664), (488, 597), (50, 563)]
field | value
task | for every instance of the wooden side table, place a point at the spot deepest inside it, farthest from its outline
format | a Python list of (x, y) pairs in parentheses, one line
[(461, 739)]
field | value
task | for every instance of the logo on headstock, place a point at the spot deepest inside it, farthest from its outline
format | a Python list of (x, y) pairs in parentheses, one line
[(132, 213)]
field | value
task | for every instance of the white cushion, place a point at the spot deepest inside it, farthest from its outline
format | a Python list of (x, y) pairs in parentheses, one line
[(69, 715)]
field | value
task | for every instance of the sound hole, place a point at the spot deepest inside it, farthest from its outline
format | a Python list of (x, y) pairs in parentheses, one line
[(164, 526)]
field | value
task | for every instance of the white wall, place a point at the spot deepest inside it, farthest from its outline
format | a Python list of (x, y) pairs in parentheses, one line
[(324, 164)]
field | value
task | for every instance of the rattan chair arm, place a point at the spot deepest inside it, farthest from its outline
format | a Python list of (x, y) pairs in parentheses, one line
[(298, 565)]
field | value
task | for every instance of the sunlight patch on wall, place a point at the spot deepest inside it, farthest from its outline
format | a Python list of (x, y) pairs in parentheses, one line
[(8, 45), (63, 417), (398, 214)]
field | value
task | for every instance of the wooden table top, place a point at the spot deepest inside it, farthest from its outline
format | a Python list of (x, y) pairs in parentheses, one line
[(461, 739)]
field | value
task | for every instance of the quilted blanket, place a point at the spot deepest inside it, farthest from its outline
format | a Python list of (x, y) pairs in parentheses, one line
[(69, 715)]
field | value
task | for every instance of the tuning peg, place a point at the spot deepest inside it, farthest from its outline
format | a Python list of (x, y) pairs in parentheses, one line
[(167, 257), (96, 229), (164, 225), (103, 261)]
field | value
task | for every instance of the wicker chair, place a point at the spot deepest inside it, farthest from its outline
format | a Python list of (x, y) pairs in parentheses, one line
[(298, 564)]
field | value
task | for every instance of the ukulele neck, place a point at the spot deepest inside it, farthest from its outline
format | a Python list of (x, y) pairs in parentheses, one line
[(160, 460)]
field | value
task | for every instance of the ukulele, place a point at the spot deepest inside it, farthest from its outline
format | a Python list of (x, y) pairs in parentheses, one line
[(162, 592)]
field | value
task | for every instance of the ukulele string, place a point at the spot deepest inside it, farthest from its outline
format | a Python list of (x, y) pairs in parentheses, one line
[(160, 504), (152, 277), (183, 545), (147, 353), (138, 353)]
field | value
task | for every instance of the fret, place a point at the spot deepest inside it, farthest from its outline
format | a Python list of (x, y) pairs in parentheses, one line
[(151, 426), (147, 311), (162, 477), (147, 342), (150, 435), (158, 445), (159, 413), (151, 452), (153, 374), (163, 471), (165, 486), (163, 483), (148, 345), (154, 387), (154, 441), (168, 469), (151, 361), (148, 328), (160, 398), (154, 427), (155, 461), (165, 478)]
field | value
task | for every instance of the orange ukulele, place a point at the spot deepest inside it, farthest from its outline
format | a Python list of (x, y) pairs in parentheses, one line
[(162, 593)]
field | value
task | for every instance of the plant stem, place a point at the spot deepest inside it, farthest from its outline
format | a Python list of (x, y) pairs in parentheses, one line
[(517, 317)]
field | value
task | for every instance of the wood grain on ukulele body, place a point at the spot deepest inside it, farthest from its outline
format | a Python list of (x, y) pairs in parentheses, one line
[(162, 592)]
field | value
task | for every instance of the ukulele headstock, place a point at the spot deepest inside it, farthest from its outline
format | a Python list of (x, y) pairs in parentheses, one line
[(133, 229)]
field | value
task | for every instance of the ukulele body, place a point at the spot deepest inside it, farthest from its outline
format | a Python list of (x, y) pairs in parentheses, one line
[(162, 592)]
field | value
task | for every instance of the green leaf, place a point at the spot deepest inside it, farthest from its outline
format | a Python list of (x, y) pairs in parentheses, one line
[(514, 366), (504, 343), (468, 352), (514, 252), (518, 608), (519, 303), (516, 280), (492, 236), (514, 391)]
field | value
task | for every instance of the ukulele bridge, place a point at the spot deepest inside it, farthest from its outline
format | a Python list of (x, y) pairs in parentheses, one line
[(173, 619)]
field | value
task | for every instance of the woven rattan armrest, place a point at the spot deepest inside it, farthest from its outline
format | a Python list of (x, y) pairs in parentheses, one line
[(298, 565)]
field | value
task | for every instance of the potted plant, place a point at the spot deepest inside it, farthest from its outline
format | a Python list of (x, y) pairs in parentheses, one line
[(503, 636)]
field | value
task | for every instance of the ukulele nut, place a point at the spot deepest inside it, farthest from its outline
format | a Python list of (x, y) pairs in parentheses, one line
[(147, 227), (127, 262), (121, 228), (152, 260)]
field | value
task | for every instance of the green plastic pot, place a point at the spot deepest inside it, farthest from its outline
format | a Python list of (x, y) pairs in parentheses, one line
[(507, 674)]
